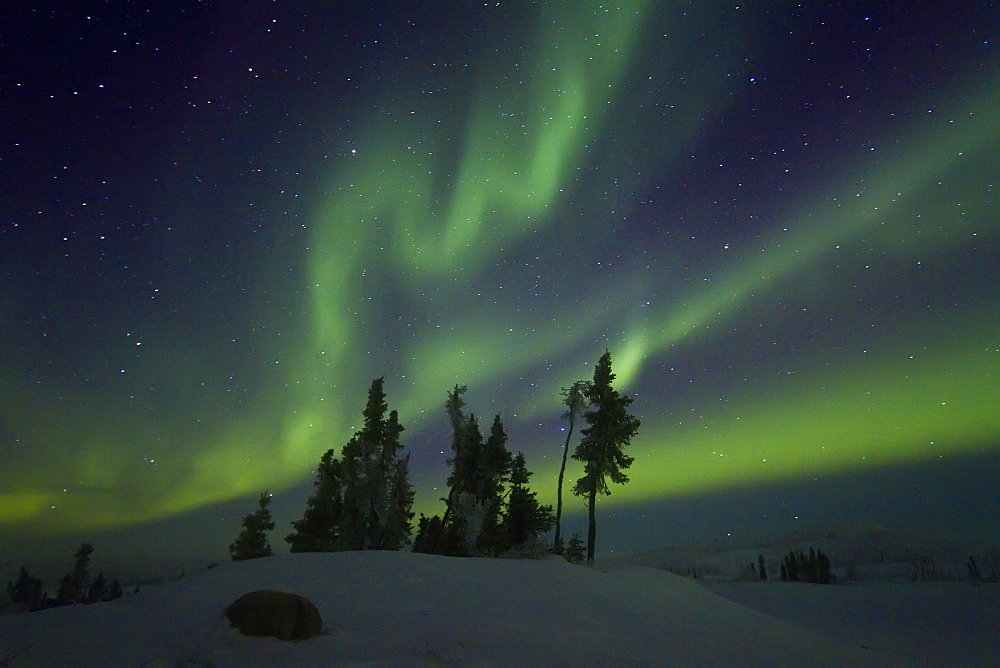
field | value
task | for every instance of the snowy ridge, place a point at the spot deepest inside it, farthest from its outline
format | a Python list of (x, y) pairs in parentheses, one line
[(394, 608)]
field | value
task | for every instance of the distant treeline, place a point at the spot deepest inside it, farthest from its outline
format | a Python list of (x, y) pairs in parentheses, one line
[(798, 567), (28, 593)]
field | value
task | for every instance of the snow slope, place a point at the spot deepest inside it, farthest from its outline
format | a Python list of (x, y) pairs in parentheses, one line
[(403, 609), (926, 623)]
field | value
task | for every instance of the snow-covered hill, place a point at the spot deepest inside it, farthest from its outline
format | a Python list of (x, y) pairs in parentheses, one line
[(403, 609)]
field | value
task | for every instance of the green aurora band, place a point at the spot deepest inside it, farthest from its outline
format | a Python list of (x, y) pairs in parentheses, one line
[(421, 222)]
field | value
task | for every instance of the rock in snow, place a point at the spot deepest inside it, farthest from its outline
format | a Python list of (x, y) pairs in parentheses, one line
[(275, 614)]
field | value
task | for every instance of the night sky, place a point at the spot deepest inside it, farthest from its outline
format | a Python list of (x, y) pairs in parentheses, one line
[(220, 221)]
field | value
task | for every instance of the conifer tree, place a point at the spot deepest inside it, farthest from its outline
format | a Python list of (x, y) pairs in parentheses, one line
[(492, 472), (115, 590), (479, 471), (27, 592), (575, 401), (823, 574), (802, 568), (376, 483), (601, 449), (98, 590), (319, 528), (465, 512), (795, 566), (72, 586), (397, 527), (363, 500), (459, 461), (252, 542), (575, 549), (526, 518), (430, 535)]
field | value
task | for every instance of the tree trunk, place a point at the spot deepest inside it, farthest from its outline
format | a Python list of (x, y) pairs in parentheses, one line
[(592, 527), (562, 473)]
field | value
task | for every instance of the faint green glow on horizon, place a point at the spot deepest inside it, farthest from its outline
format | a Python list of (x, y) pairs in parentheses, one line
[(873, 413)]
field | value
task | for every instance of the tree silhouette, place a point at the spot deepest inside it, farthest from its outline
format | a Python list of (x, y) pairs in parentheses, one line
[(27, 592), (575, 400), (493, 471), (252, 542), (98, 590), (319, 528), (72, 586), (801, 568), (526, 518), (468, 511), (434, 538), (460, 461), (363, 500), (479, 471), (575, 549), (376, 489), (396, 529), (611, 428)]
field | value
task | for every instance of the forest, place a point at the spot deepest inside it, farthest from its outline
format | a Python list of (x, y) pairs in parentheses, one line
[(362, 500)]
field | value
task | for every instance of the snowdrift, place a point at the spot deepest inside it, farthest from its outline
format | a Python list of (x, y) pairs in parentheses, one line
[(404, 609)]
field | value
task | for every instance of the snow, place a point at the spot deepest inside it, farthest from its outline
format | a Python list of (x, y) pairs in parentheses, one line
[(404, 609), (925, 623)]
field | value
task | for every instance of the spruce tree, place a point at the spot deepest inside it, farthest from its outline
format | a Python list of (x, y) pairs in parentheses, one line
[(98, 590), (319, 528), (27, 593), (362, 501), (492, 472), (575, 549), (465, 512), (430, 535), (468, 511), (376, 484), (479, 471), (793, 562), (459, 461), (823, 574), (526, 518), (575, 400), (72, 586), (252, 542), (397, 527), (601, 449)]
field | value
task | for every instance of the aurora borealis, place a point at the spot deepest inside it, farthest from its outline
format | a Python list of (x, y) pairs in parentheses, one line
[(219, 226)]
